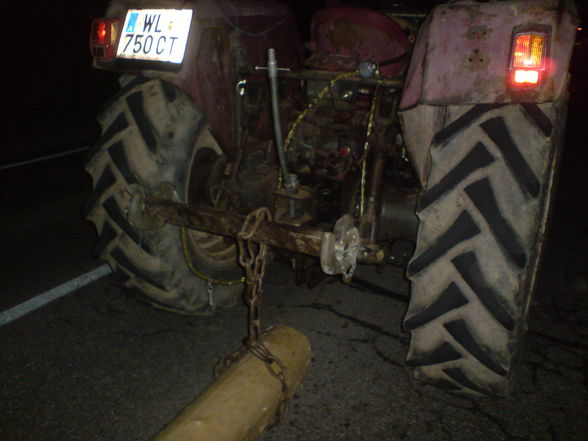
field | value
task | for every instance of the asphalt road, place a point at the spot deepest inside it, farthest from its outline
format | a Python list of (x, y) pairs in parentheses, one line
[(99, 365)]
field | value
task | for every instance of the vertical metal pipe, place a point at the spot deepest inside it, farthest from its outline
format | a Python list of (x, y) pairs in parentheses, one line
[(369, 222), (272, 68)]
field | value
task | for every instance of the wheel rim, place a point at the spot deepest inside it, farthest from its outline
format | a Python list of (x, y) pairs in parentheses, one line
[(218, 250)]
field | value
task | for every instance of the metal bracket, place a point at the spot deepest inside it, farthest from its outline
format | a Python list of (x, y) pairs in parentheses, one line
[(339, 249), (135, 210)]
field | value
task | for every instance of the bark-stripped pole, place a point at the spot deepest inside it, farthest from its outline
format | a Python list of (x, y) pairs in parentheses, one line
[(243, 400)]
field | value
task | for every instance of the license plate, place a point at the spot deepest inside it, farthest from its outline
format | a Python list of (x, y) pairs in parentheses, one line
[(155, 35)]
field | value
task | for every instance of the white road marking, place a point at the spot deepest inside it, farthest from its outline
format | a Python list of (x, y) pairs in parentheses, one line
[(44, 158), (59, 291)]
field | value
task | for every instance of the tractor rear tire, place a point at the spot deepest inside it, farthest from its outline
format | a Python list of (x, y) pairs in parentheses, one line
[(153, 137), (483, 217)]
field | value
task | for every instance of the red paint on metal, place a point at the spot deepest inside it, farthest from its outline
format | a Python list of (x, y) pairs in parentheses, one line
[(212, 65), (462, 55), (343, 37), (223, 49)]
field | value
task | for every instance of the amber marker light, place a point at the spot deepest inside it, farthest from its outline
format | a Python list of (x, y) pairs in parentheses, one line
[(528, 62)]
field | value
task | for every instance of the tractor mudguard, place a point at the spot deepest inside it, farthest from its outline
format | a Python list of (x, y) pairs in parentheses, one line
[(462, 57), (225, 39)]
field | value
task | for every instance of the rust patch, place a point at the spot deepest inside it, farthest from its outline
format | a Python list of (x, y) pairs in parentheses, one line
[(476, 60), (473, 12), (346, 37), (478, 33)]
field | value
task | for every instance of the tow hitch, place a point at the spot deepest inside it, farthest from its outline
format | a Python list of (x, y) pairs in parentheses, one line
[(339, 251)]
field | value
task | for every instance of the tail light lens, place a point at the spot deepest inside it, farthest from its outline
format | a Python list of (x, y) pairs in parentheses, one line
[(104, 37), (529, 56)]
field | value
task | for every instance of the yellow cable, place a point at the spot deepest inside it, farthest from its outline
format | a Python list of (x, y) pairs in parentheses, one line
[(304, 113), (200, 275), (366, 145)]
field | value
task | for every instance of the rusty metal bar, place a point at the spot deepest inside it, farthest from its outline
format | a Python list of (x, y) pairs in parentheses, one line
[(308, 74), (300, 240), (225, 223)]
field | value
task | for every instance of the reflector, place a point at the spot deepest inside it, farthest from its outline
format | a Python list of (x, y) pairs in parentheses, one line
[(104, 37)]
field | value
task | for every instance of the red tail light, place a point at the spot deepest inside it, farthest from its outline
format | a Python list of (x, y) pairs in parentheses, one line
[(528, 61), (104, 37)]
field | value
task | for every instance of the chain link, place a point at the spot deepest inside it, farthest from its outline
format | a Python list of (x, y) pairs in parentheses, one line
[(253, 257)]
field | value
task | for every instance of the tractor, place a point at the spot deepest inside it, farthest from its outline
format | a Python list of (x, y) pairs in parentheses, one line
[(440, 124)]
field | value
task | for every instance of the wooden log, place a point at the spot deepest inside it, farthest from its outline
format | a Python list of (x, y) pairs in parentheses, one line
[(243, 400)]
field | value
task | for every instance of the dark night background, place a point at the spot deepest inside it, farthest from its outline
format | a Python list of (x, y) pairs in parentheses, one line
[(100, 357), (51, 94)]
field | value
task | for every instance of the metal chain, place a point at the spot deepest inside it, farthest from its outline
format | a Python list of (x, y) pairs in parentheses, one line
[(366, 145), (253, 257)]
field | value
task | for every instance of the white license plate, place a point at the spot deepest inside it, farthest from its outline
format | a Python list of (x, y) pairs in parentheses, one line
[(155, 34)]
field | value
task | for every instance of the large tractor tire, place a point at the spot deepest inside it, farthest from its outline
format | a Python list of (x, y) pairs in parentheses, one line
[(482, 225), (154, 141)]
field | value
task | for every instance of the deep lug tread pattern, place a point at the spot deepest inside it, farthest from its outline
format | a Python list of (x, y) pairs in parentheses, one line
[(463, 121), (119, 158), (150, 300), (115, 213), (170, 92), (468, 267), (120, 278), (462, 229), (107, 180), (135, 102), (123, 260), (457, 375), (492, 168), (134, 149), (442, 354), (118, 125), (451, 298), (539, 118), (477, 158), (482, 195), (444, 384), (496, 129), (106, 237), (459, 330), (125, 90)]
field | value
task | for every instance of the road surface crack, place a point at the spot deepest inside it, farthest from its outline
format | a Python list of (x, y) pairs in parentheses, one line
[(359, 322)]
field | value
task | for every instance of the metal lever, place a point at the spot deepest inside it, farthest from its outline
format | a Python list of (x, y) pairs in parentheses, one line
[(279, 69)]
